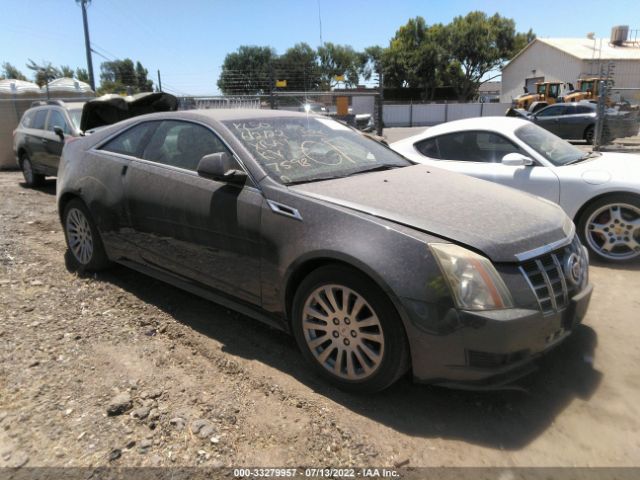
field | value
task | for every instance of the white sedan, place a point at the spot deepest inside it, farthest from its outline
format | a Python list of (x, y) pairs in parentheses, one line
[(599, 191)]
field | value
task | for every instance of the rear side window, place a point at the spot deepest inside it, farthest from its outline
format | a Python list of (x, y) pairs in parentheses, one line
[(470, 146), (132, 141), (40, 118), (552, 111), (429, 148), (27, 119), (583, 109)]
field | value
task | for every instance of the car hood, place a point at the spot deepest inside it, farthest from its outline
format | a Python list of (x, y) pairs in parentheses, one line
[(618, 168), (113, 108), (500, 222)]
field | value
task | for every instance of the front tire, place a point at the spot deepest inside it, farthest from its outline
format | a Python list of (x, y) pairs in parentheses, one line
[(610, 228), (86, 251), (348, 330), (31, 179)]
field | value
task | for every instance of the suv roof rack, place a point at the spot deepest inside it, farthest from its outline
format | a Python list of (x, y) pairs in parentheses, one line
[(39, 103)]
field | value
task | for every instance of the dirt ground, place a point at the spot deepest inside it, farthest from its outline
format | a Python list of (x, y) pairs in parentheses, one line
[(118, 369)]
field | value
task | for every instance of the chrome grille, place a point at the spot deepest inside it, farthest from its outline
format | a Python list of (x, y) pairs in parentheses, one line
[(547, 277)]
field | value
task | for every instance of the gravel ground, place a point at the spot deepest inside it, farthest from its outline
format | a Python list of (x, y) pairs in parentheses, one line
[(118, 369)]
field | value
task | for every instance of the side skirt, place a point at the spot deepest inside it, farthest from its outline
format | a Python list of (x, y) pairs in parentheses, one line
[(206, 293)]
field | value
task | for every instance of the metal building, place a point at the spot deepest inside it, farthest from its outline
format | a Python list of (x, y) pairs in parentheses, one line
[(569, 59)]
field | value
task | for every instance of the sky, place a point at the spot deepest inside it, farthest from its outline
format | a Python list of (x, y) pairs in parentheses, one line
[(187, 40)]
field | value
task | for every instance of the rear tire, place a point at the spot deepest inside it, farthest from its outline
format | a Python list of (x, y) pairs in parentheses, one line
[(31, 179), (85, 249), (365, 347)]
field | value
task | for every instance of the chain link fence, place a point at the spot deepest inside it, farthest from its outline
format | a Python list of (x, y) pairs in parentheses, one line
[(617, 110)]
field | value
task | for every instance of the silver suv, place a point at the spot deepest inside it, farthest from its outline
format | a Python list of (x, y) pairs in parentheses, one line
[(40, 136)]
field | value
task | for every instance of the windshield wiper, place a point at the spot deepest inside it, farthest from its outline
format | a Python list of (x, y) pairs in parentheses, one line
[(378, 168), (321, 179), (585, 157)]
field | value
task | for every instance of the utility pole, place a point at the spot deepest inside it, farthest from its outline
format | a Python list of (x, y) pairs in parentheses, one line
[(87, 42), (159, 81)]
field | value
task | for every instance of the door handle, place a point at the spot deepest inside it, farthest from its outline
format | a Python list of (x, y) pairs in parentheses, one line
[(124, 170)]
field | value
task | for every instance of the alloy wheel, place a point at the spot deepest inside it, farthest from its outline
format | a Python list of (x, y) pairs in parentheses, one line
[(613, 231), (343, 332), (79, 236)]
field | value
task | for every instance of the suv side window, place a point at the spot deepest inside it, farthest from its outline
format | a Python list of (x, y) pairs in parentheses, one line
[(131, 142), (56, 119), (40, 119), (182, 144), (27, 119)]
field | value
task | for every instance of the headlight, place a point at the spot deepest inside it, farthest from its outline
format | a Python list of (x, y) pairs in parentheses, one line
[(474, 282)]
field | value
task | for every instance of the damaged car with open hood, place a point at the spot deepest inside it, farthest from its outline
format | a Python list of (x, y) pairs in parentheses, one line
[(379, 267)]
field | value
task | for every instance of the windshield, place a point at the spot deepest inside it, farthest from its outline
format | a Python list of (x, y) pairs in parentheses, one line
[(75, 117), (554, 149), (298, 149)]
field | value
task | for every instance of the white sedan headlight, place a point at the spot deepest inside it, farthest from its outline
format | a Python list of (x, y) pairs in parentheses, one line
[(474, 282)]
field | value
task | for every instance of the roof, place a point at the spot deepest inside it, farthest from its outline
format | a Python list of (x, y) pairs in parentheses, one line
[(599, 48), (225, 114), (487, 87), (16, 87), (68, 85), (504, 124), (586, 49)]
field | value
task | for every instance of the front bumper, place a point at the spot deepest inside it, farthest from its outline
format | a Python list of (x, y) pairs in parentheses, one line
[(491, 348)]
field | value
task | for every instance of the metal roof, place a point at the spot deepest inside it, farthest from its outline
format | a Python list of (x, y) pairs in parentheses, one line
[(598, 48)]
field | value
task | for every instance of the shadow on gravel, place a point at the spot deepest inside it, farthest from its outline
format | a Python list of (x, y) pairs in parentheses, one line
[(496, 419), (49, 186)]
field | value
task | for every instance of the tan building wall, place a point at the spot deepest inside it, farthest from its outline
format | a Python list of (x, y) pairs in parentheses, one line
[(548, 62)]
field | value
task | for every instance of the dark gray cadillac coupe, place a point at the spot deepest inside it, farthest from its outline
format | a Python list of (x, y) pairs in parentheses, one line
[(377, 266)]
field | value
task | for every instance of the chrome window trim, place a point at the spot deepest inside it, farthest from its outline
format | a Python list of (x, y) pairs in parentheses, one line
[(536, 252)]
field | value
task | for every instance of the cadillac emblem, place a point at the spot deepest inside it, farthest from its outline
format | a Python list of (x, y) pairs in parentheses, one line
[(573, 268)]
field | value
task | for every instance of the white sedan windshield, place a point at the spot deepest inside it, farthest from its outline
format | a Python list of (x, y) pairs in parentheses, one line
[(554, 149)]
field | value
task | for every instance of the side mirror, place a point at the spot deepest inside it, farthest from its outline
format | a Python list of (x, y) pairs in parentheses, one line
[(516, 160), (58, 131), (222, 167)]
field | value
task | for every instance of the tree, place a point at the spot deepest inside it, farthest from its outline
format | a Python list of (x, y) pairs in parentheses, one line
[(43, 73), (82, 74), (66, 71), (144, 84), (372, 64), (247, 71), (121, 76), (299, 67), (9, 71), (522, 40), (339, 60), (480, 44), (416, 57)]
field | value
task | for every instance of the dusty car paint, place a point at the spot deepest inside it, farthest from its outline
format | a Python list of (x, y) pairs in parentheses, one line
[(248, 247)]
